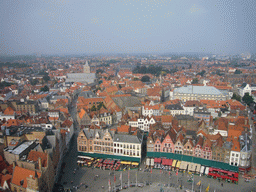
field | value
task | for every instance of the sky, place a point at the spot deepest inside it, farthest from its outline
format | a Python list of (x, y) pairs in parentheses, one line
[(127, 26)]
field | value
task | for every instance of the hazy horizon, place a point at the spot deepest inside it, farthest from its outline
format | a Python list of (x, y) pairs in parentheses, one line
[(127, 26)]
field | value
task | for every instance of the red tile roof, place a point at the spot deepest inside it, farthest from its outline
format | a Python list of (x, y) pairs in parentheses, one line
[(22, 174), (34, 155)]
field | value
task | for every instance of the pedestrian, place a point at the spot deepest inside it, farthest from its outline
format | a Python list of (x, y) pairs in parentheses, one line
[(71, 182), (221, 184)]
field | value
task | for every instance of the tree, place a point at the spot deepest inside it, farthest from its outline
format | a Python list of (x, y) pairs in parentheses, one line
[(93, 108), (45, 88), (46, 78), (247, 99), (34, 81), (145, 78), (236, 97), (194, 81), (201, 73), (238, 71)]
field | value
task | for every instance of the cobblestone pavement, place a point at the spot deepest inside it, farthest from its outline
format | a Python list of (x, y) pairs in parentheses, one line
[(87, 176)]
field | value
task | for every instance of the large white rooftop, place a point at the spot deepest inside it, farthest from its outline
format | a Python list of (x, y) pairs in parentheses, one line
[(209, 90), (21, 148)]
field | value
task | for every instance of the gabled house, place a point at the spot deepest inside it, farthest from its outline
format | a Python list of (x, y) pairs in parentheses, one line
[(168, 142), (198, 147), (83, 118), (188, 147), (235, 153), (25, 180), (206, 149), (178, 147)]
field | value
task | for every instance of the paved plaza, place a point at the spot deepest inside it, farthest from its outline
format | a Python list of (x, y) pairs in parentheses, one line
[(88, 176)]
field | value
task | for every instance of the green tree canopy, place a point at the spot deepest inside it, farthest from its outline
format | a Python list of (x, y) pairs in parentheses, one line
[(194, 81), (45, 88), (236, 97), (247, 99), (238, 71), (145, 78)]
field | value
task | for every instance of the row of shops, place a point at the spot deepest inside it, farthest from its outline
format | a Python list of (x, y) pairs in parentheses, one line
[(106, 164), (190, 167)]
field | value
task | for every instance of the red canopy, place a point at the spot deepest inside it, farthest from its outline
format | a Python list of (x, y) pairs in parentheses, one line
[(157, 160), (170, 162), (164, 161)]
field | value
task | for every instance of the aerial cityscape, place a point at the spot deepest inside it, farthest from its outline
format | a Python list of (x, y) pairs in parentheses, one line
[(128, 95)]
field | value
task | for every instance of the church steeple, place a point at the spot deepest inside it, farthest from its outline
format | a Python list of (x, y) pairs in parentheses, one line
[(87, 67)]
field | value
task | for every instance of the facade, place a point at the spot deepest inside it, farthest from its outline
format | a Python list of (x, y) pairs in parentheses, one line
[(235, 153), (103, 116), (188, 147), (245, 88), (142, 123), (27, 106), (128, 145), (178, 147), (108, 143), (175, 109), (203, 114), (198, 93)]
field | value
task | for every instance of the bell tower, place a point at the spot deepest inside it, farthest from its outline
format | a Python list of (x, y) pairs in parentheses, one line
[(87, 68)]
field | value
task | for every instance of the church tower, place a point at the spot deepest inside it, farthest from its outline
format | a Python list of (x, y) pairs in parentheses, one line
[(87, 68)]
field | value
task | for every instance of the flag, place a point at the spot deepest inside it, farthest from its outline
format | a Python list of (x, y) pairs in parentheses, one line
[(169, 173), (207, 189), (128, 174), (109, 183), (151, 171), (177, 172), (160, 171), (114, 178)]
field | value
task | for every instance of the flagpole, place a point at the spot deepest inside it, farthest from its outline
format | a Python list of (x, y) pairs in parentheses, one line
[(136, 179), (121, 180), (128, 177), (193, 184)]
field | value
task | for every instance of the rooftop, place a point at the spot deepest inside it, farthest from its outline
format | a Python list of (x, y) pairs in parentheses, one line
[(198, 90)]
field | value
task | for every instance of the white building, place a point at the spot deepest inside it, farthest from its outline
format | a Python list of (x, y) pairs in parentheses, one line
[(245, 88), (142, 123), (198, 93), (128, 145), (155, 110), (235, 153)]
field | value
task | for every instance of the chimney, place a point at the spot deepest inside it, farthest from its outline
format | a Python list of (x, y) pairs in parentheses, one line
[(39, 163), (237, 113)]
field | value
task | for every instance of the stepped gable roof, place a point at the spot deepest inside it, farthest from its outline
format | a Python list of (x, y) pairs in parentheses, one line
[(34, 155), (20, 174)]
